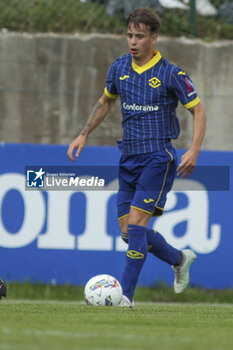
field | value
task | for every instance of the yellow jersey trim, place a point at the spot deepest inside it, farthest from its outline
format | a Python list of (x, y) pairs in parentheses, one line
[(107, 93), (123, 216), (156, 206), (146, 211), (161, 211), (165, 177), (192, 103), (140, 69)]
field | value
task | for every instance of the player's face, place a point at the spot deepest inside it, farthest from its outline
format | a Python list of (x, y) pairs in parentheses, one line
[(141, 43)]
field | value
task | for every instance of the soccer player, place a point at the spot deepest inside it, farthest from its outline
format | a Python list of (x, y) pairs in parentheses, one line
[(149, 88)]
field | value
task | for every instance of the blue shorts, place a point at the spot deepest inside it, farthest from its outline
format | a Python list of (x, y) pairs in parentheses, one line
[(145, 180)]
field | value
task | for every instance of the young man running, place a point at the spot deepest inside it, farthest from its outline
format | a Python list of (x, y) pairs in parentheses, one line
[(149, 88)]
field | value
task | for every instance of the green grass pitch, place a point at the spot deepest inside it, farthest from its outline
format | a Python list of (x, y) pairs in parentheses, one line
[(71, 325)]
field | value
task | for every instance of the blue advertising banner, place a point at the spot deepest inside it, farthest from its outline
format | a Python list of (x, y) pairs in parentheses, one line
[(58, 221)]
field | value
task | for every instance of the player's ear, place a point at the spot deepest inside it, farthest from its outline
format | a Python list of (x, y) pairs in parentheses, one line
[(154, 37)]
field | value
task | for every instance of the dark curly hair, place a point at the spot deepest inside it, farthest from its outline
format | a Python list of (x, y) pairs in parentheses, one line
[(146, 16)]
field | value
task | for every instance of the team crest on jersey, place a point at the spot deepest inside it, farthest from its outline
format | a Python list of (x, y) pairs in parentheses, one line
[(154, 82)]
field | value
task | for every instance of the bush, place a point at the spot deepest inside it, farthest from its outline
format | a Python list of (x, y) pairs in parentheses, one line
[(70, 16)]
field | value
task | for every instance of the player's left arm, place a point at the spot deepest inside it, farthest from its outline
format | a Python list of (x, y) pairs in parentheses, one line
[(189, 159)]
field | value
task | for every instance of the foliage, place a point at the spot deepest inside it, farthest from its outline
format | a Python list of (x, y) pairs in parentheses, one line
[(72, 16), (207, 28)]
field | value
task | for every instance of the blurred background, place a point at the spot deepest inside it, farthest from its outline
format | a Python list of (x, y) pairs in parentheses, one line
[(213, 17), (54, 57)]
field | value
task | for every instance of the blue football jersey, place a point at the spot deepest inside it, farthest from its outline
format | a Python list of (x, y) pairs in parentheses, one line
[(149, 97)]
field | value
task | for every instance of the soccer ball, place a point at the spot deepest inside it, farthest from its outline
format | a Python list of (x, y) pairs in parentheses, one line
[(104, 290)]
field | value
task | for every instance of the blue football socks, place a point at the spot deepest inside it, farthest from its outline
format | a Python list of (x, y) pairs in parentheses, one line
[(158, 246), (135, 258)]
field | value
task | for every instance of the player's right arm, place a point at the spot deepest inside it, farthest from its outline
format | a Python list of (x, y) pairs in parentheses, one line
[(98, 113)]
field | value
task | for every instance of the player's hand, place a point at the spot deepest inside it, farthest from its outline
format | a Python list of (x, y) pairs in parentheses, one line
[(187, 164), (79, 144)]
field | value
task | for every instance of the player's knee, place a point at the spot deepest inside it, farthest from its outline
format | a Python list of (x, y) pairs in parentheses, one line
[(138, 217)]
